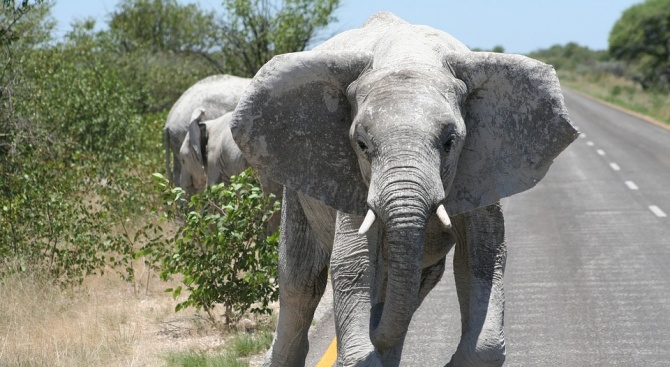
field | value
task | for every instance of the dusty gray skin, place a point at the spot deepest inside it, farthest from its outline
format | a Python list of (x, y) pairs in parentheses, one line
[(400, 121), (217, 95)]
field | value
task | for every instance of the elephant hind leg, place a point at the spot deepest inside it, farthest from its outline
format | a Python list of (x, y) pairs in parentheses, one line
[(303, 272)]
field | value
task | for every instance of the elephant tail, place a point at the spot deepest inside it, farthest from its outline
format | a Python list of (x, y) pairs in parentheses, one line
[(166, 142)]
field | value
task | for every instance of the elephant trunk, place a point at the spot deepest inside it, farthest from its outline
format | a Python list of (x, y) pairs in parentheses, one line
[(404, 204)]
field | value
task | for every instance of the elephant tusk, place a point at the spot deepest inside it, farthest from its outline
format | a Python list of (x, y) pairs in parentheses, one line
[(443, 216), (370, 218)]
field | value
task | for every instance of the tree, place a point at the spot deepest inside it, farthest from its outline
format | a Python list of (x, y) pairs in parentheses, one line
[(498, 49), (570, 57), (23, 27), (56, 220), (254, 31), (164, 26), (641, 37), (11, 14)]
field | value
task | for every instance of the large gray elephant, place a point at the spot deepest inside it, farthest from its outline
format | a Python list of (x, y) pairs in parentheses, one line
[(404, 123), (216, 94)]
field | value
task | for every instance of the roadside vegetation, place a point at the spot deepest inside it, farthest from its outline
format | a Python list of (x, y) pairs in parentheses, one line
[(98, 252), (101, 261), (634, 72)]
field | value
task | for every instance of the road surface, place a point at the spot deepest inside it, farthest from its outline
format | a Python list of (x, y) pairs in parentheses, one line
[(588, 271)]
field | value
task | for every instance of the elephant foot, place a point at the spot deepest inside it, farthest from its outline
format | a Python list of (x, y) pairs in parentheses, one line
[(371, 359), (489, 358)]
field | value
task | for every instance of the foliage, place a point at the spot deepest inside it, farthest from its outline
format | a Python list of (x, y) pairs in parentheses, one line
[(67, 194), (253, 31), (11, 14), (572, 56), (620, 91), (64, 232), (222, 250), (84, 99), (240, 346), (161, 48), (162, 25), (641, 37), (238, 41), (496, 48), (80, 123), (246, 345), (22, 29)]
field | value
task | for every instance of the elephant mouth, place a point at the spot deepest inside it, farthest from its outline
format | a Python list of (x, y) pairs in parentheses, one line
[(371, 217)]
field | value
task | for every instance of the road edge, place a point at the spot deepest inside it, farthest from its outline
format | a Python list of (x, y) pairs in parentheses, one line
[(638, 115)]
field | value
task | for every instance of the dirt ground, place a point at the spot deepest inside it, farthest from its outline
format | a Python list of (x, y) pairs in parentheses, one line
[(106, 322)]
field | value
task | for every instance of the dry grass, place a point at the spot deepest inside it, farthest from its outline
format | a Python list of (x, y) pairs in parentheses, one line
[(105, 323)]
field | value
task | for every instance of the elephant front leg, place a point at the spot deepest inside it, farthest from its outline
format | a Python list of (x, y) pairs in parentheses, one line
[(303, 273), (353, 278), (479, 264)]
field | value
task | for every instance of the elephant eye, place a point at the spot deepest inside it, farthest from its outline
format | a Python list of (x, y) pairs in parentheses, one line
[(361, 145), (449, 143)]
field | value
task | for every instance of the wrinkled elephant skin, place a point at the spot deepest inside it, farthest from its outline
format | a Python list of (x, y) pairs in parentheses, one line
[(403, 125)]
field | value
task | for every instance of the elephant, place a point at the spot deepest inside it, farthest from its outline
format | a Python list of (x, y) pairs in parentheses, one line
[(216, 94), (395, 143), (212, 156), (209, 155)]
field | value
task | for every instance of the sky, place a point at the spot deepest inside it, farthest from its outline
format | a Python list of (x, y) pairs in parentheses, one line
[(519, 26)]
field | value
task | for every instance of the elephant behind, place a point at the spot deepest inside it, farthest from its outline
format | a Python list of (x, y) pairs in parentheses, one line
[(213, 157), (222, 158), (217, 95)]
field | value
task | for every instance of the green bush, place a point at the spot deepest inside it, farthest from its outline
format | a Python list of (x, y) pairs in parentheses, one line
[(222, 250), (56, 221)]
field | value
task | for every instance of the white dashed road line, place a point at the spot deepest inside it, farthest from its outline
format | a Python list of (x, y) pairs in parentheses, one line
[(657, 211), (631, 185)]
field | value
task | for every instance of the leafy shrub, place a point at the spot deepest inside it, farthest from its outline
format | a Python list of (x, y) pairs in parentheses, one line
[(56, 220), (222, 249)]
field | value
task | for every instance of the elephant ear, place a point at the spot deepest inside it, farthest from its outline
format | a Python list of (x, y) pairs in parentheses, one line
[(516, 123), (293, 123), (197, 135)]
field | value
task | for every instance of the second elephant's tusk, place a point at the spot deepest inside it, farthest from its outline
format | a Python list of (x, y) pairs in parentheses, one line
[(367, 222), (443, 216)]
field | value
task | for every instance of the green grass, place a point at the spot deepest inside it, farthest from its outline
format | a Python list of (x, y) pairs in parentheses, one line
[(202, 359), (621, 92), (238, 349), (245, 345)]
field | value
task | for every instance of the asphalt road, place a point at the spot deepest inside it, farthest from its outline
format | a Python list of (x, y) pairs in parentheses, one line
[(588, 271)]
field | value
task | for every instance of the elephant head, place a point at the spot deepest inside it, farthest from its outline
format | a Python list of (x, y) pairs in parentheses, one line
[(192, 154), (209, 154), (402, 142)]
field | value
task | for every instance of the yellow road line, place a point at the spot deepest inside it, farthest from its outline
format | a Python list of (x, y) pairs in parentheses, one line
[(330, 357)]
